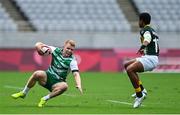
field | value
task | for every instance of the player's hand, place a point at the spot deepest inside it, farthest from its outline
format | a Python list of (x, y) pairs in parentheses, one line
[(140, 52), (80, 89), (141, 49), (44, 51)]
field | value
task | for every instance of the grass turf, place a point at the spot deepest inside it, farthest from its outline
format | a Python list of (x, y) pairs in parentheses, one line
[(104, 93)]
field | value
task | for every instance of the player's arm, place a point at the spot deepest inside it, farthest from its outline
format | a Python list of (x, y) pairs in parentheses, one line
[(146, 41), (44, 49), (78, 81), (75, 72)]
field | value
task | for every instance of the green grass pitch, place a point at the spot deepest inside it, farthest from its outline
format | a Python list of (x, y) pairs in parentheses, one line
[(104, 93)]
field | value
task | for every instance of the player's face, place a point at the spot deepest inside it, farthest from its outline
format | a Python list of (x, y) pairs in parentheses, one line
[(68, 50)]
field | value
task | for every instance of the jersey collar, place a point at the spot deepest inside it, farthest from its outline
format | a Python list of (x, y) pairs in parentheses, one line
[(147, 25)]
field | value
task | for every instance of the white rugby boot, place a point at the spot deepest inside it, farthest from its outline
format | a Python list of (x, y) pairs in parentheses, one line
[(138, 101)]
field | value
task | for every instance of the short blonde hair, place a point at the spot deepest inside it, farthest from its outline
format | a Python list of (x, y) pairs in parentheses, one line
[(71, 42)]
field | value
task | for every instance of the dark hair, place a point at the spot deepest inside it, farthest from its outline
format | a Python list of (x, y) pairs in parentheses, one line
[(145, 17)]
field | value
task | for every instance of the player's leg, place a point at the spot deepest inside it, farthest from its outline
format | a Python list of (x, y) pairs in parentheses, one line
[(140, 83), (132, 70), (149, 63), (39, 76), (144, 91), (133, 76), (129, 63), (144, 63), (57, 89)]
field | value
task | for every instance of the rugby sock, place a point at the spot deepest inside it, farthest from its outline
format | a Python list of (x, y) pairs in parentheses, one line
[(25, 90), (46, 97), (138, 92), (140, 84)]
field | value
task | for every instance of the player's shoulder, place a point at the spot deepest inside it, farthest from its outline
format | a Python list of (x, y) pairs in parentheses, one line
[(57, 49), (72, 57), (149, 28), (146, 29)]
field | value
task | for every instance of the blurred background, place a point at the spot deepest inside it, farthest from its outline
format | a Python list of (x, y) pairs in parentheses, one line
[(106, 32)]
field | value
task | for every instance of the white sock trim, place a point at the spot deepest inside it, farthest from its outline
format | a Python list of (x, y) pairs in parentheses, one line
[(46, 97), (25, 90)]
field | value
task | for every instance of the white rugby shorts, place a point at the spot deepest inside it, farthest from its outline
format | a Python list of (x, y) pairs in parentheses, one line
[(149, 62)]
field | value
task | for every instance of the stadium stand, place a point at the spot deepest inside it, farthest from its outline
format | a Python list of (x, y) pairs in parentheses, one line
[(93, 24), (6, 23), (76, 15), (165, 13)]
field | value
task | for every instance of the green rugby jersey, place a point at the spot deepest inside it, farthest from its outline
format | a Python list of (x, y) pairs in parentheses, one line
[(153, 47), (61, 66)]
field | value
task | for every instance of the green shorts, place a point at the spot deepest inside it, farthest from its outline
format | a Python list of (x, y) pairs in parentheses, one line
[(51, 81)]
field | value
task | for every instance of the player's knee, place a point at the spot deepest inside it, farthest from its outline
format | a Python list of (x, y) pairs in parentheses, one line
[(129, 69), (64, 86), (60, 87), (37, 74)]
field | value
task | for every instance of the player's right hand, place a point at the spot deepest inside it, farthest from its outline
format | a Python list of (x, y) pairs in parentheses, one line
[(44, 51), (140, 52), (80, 89)]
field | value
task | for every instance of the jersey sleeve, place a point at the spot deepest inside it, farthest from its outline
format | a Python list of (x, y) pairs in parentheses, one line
[(147, 36), (74, 65)]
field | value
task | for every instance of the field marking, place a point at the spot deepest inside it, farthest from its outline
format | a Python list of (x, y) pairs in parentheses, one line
[(12, 87), (121, 102)]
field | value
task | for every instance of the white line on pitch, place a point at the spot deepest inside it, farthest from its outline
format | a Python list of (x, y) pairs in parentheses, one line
[(121, 102), (12, 87)]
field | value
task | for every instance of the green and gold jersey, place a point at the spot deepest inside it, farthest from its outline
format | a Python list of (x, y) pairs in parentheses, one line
[(153, 47), (61, 66)]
